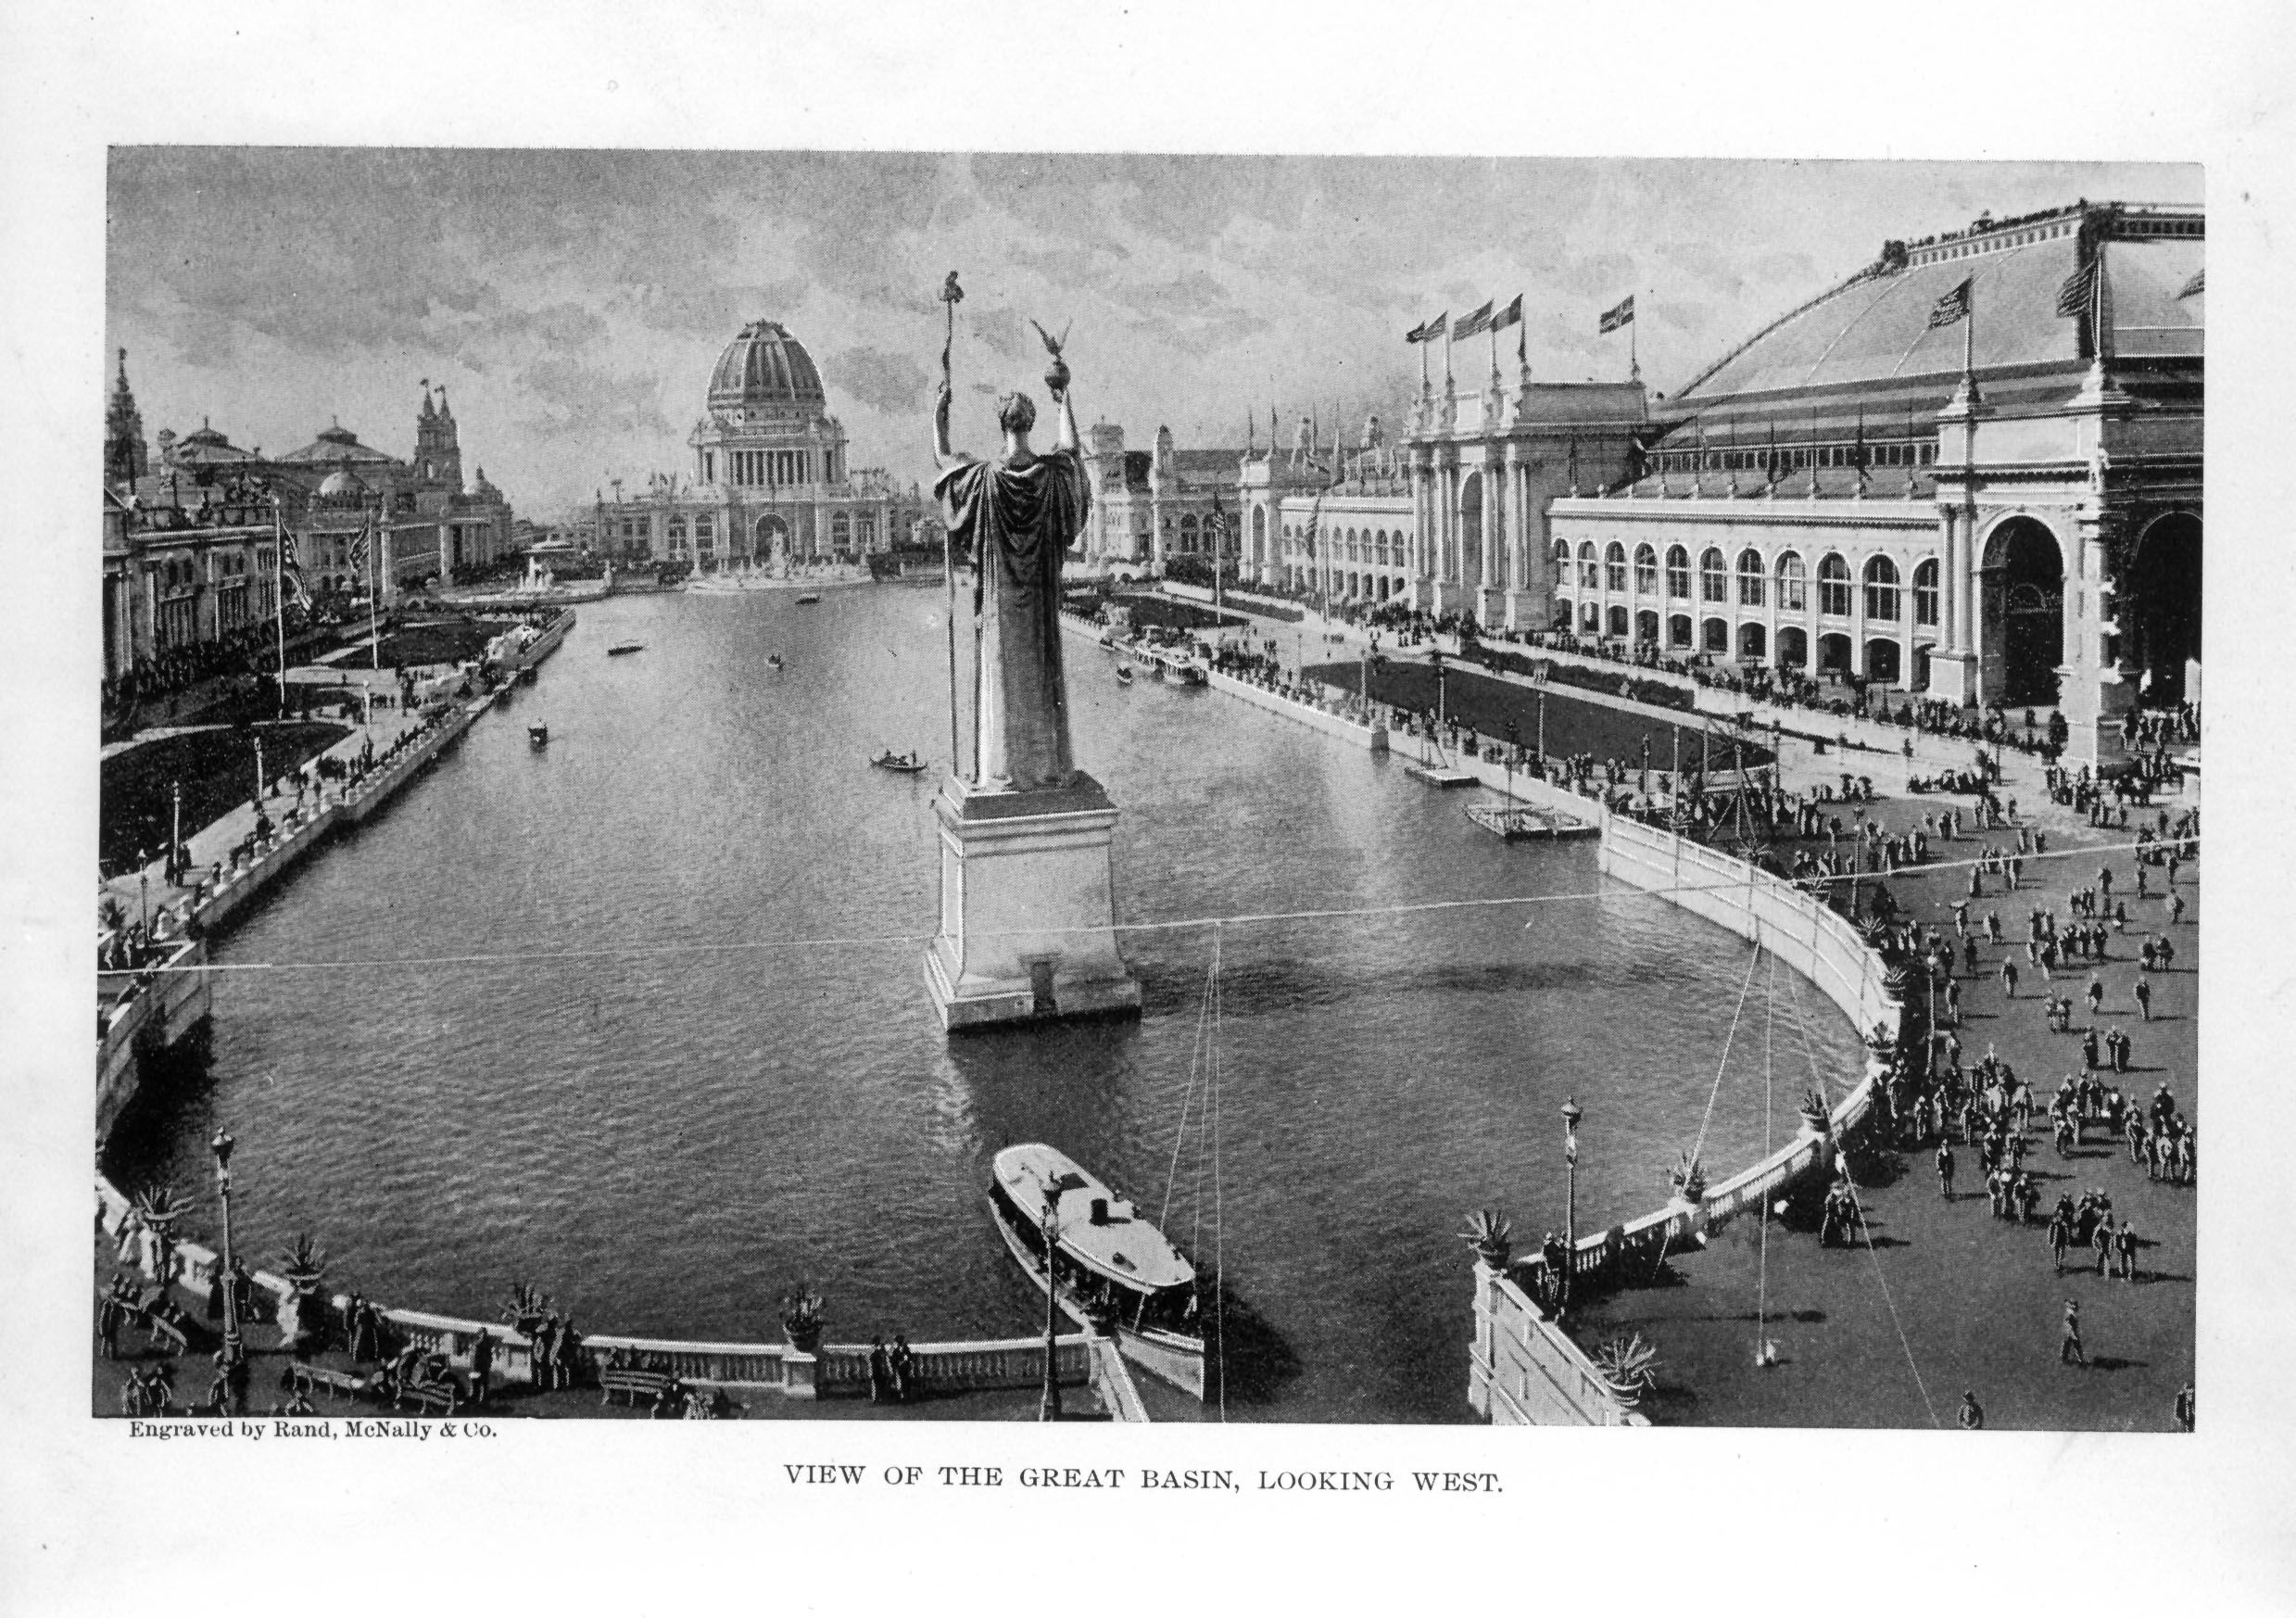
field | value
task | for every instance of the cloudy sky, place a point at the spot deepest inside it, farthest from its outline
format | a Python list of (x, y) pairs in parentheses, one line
[(574, 302)]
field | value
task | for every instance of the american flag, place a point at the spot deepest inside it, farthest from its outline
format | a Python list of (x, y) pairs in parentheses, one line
[(2196, 285), (2072, 298), (359, 549), (1466, 325), (1952, 308)]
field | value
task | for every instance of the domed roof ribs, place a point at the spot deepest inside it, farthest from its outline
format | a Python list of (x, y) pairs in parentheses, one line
[(1867, 274)]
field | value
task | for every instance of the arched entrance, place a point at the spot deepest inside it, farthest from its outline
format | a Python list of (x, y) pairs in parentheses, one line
[(1470, 529), (1753, 641), (1834, 654), (2160, 623), (1646, 628), (2022, 613), (1881, 661), (772, 537), (1793, 647)]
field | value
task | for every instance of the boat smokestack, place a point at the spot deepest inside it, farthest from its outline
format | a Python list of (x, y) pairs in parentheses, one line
[(1100, 1210)]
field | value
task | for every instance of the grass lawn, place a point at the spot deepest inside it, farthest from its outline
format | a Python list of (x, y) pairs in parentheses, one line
[(216, 769), (1573, 726), (448, 640), (1163, 613)]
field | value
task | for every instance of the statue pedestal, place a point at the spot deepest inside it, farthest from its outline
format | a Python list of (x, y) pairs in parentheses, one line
[(1018, 870)]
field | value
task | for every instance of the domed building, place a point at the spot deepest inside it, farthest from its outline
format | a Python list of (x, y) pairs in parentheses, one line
[(768, 482)]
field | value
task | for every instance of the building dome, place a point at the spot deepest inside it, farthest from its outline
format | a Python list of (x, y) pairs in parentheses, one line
[(764, 365), (341, 485)]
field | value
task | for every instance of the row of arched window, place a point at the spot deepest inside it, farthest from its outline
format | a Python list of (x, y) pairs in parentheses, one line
[(1374, 547), (1755, 579)]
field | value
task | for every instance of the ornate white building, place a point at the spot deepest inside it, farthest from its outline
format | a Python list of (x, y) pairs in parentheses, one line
[(768, 482)]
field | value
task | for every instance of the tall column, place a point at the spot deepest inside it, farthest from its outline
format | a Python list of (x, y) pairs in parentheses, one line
[(1857, 616)]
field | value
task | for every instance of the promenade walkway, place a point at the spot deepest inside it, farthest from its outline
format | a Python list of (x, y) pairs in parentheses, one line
[(1948, 1298)]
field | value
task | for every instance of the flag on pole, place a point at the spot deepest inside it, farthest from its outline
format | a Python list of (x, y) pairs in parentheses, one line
[(2196, 285), (1952, 308), (1468, 325), (1510, 315), (1619, 315), (358, 548), (2072, 298), (1427, 331), (288, 557)]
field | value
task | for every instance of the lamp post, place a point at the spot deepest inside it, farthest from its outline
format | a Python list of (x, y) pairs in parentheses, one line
[(232, 1352), (1571, 1113), (175, 838), (1048, 1407), (259, 773)]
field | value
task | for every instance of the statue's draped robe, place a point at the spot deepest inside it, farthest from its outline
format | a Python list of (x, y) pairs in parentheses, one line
[(1020, 524)]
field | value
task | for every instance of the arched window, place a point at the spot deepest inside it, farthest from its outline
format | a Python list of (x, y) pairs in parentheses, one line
[(1793, 584), (1834, 586), (1678, 580), (1614, 567), (1590, 618), (1589, 579), (1749, 579), (1925, 594), (1562, 561), (1713, 578), (1881, 589), (1646, 574)]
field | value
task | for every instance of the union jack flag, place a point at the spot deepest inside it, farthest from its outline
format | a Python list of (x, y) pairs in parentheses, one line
[(1952, 308), (1618, 315)]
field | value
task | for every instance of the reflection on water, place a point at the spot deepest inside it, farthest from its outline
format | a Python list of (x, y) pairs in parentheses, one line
[(666, 1113)]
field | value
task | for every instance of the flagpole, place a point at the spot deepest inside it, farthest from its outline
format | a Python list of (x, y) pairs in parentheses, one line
[(279, 596), (374, 633)]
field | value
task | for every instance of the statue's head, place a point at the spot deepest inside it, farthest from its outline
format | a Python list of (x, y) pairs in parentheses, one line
[(1016, 413)]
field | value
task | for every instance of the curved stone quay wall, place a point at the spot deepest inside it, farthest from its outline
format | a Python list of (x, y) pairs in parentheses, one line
[(1524, 1368), (832, 1371)]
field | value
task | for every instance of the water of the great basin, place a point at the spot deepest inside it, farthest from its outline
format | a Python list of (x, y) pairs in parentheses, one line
[(583, 1076)]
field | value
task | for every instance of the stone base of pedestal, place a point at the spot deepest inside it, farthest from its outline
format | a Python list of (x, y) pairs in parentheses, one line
[(1026, 895), (801, 1375), (1952, 678)]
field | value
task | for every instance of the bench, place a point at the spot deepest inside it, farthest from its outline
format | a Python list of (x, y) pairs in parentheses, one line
[(617, 1379), (339, 1384)]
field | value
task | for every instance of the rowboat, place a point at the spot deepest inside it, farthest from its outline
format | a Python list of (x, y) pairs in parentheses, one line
[(537, 736), (773, 661), (1124, 674), (908, 764), (1107, 1260), (624, 648), (809, 598)]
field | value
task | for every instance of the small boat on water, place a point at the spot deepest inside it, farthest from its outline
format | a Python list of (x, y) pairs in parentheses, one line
[(773, 661), (1106, 1261), (1124, 674), (907, 764), (808, 598), (527, 676), (537, 736), (624, 648)]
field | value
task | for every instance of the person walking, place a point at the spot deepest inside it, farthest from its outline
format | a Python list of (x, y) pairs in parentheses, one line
[(2059, 1237), (2069, 1351), (2096, 993), (2144, 1000), (1945, 1167), (1972, 1417), (2100, 1242), (880, 1373), (2008, 980), (2125, 1251), (2184, 1411)]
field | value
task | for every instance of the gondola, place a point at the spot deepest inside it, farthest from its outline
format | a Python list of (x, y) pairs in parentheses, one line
[(1124, 674), (773, 661), (808, 598), (907, 764), (624, 648)]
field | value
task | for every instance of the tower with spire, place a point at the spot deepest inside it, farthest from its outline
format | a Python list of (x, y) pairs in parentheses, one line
[(125, 456), (437, 443)]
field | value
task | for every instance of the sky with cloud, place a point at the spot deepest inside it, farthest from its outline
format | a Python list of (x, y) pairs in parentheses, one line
[(574, 302)]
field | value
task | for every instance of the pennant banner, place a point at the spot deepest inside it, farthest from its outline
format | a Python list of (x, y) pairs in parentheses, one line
[(1619, 315), (1510, 315)]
